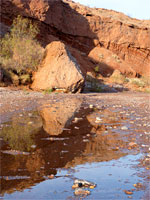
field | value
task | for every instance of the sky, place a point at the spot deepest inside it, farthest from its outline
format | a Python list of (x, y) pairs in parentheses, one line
[(139, 9)]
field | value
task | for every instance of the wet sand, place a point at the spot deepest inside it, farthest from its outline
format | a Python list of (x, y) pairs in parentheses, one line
[(14, 101)]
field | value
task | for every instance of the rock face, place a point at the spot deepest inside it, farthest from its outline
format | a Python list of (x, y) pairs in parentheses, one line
[(86, 28), (108, 62), (59, 70)]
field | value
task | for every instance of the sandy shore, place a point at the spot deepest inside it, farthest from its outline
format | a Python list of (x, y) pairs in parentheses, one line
[(13, 100)]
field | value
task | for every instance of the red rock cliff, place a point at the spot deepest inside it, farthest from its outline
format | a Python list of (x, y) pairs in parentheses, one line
[(85, 28)]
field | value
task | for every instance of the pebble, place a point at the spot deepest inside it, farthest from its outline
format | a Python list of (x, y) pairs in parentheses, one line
[(84, 183), (131, 122), (132, 144), (91, 106), (147, 133), (65, 129), (98, 119), (128, 192), (76, 127), (144, 145), (75, 186), (51, 176), (76, 119), (138, 185), (85, 140), (80, 191), (148, 155), (124, 128), (33, 146)]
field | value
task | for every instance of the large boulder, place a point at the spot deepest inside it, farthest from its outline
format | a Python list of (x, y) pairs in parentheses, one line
[(59, 70)]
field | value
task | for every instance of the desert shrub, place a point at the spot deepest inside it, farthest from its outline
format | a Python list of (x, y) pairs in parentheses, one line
[(20, 51), (118, 78), (48, 91), (146, 80), (116, 58), (96, 69), (137, 82)]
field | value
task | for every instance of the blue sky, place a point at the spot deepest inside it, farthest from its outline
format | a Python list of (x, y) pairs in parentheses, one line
[(139, 9)]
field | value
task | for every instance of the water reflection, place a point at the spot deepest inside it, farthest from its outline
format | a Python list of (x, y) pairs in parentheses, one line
[(55, 141), (56, 117), (17, 133)]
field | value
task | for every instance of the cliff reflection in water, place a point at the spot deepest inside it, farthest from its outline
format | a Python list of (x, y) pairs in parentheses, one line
[(58, 142)]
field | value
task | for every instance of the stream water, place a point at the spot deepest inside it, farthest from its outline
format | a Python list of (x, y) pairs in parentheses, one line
[(44, 151)]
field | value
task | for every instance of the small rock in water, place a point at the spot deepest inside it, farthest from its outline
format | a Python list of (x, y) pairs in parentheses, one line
[(76, 119), (84, 183), (75, 186), (148, 155), (131, 122), (33, 146), (51, 176), (91, 106), (132, 144), (128, 192), (124, 128), (138, 185), (85, 140), (79, 191), (65, 129), (98, 119), (76, 127)]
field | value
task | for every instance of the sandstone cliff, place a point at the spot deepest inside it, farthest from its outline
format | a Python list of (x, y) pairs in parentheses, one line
[(85, 28)]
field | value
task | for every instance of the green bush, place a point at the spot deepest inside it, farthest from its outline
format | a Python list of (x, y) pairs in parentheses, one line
[(20, 51)]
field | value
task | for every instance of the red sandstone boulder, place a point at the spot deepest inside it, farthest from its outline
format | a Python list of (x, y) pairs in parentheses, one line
[(59, 69), (108, 62)]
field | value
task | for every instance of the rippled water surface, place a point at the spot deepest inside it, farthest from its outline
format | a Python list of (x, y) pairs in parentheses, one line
[(44, 151)]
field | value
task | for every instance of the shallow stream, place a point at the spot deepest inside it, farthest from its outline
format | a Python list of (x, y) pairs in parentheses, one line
[(44, 151)]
